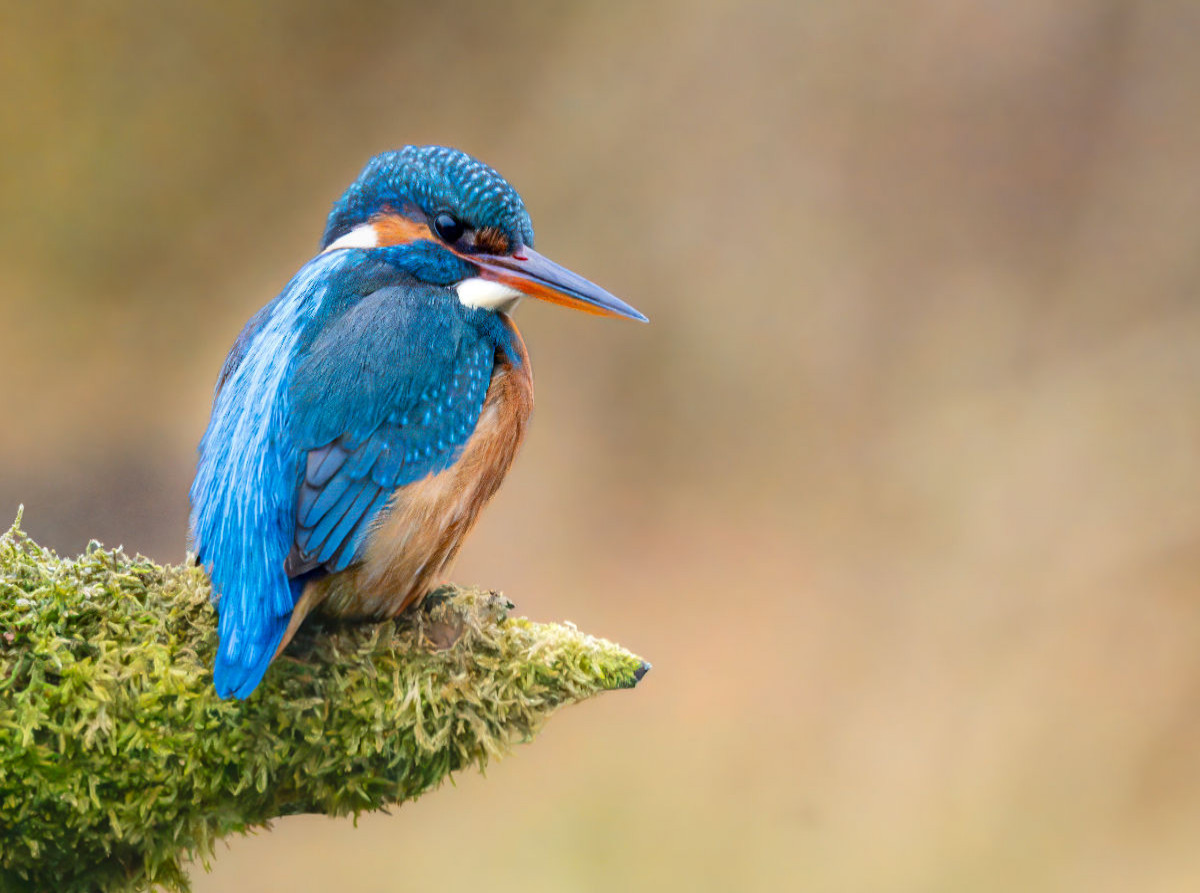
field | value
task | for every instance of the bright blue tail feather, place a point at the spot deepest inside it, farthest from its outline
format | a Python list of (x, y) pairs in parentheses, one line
[(235, 679), (241, 664)]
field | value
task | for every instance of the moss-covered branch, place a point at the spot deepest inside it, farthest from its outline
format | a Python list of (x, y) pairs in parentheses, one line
[(118, 761)]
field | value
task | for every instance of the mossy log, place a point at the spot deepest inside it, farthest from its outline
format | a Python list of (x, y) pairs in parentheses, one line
[(119, 763)]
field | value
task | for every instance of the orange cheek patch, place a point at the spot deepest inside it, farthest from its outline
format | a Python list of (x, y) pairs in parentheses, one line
[(393, 229)]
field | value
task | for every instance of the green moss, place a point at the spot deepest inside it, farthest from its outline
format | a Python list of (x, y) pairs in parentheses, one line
[(118, 762)]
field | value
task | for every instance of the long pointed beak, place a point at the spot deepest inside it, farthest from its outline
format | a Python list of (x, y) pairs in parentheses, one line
[(539, 277)]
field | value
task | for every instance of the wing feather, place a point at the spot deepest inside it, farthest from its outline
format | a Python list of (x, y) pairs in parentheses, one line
[(387, 395), (324, 463)]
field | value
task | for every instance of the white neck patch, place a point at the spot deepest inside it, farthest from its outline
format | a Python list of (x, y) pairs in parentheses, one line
[(362, 236), (487, 294)]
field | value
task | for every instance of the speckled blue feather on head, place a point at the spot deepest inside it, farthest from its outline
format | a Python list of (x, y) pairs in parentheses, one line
[(434, 178)]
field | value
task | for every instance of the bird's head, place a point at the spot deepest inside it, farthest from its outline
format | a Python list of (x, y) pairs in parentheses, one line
[(459, 224)]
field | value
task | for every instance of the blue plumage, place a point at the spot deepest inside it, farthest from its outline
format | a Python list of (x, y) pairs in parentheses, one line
[(331, 372), (396, 372), (368, 373), (449, 178)]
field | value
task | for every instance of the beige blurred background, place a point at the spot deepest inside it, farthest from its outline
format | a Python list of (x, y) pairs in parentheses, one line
[(900, 491)]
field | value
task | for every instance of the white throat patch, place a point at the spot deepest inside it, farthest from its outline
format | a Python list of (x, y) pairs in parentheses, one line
[(487, 294)]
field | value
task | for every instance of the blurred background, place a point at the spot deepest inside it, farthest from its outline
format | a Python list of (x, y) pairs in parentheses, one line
[(899, 491)]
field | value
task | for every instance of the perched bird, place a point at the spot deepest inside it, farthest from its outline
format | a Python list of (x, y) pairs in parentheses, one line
[(366, 414)]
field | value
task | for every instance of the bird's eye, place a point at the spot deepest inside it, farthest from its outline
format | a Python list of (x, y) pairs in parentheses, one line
[(448, 228)]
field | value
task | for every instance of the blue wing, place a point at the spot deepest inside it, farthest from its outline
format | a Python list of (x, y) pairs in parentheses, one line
[(386, 395)]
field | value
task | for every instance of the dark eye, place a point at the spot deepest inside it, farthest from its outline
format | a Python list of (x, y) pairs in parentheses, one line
[(448, 228)]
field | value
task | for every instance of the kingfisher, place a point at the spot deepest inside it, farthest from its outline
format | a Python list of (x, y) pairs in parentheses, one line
[(365, 416)]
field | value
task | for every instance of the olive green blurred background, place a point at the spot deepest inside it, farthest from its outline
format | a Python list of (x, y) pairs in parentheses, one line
[(899, 491)]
